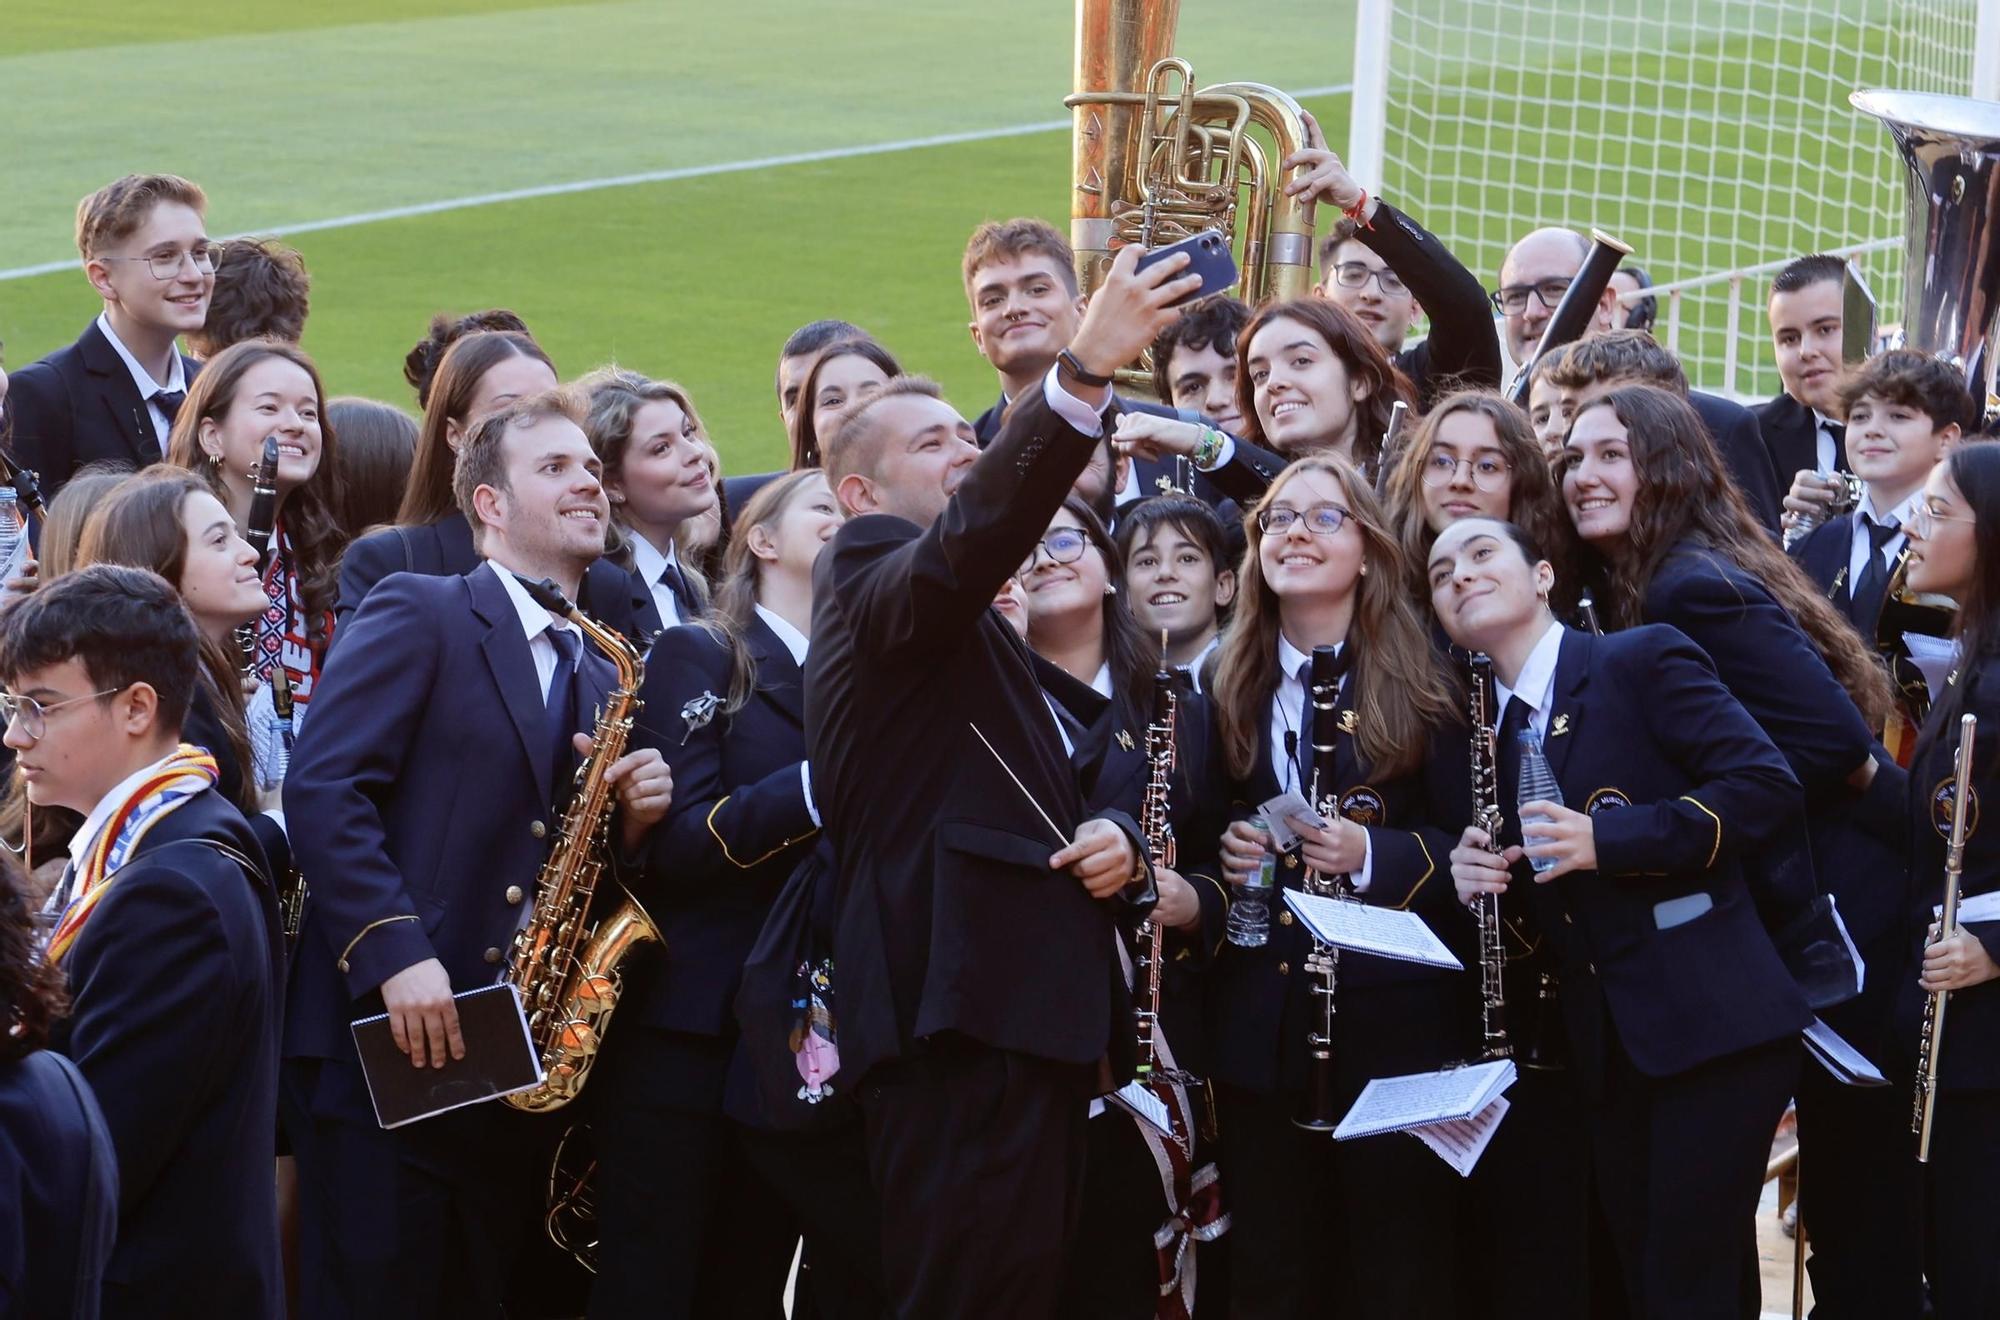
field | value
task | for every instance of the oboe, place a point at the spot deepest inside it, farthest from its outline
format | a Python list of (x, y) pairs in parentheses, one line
[(1321, 1112), (1156, 823), (1486, 907), (1930, 1047)]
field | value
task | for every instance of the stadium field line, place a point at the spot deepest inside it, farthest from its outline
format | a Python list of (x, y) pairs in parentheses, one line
[(648, 176)]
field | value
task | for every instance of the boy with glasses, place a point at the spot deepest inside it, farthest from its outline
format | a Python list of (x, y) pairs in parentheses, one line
[(164, 926), (114, 392)]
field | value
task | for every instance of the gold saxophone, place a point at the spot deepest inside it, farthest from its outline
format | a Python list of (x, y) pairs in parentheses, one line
[(567, 967)]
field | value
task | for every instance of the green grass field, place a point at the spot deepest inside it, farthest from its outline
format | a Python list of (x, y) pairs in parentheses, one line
[(290, 115)]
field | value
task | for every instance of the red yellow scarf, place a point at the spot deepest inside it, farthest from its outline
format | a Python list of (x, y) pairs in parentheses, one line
[(172, 782)]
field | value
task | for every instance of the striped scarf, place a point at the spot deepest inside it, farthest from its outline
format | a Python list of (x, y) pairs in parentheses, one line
[(172, 782)]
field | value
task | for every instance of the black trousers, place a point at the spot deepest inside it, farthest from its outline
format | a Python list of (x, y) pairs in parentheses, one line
[(1525, 1245), (1325, 1228), (977, 1155), (823, 1179), (1680, 1168), (1860, 1199), (687, 1227), (1964, 1233), (425, 1221)]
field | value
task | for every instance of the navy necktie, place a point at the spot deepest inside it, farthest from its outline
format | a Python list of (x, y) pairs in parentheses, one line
[(169, 402), (1507, 758), (683, 594), (562, 715), (1864, 600)]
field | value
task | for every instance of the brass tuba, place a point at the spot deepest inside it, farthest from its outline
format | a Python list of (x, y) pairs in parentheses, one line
[(1155, 160), (568, 967)]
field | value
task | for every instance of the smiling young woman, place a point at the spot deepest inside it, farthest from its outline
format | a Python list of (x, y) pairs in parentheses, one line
[(1310, 378), (247, 393)]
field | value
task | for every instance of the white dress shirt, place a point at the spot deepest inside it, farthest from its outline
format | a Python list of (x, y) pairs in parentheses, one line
[(1857, 550), (148, 387), (1826, 448), (1193, 667), (1535, 685), (652, 566), (1290, 715), (536, 624), (797, 643)]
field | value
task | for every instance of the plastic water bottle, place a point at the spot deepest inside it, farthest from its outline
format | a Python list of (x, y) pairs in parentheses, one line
[(12, 550), (1250, 914), (1538, 784)]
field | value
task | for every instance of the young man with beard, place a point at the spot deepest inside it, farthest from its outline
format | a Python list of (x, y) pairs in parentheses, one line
[(114, 392), (979, 992), (419, 800)]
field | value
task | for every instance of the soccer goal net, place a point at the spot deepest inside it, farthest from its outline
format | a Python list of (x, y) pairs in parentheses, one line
[(1713, 136)]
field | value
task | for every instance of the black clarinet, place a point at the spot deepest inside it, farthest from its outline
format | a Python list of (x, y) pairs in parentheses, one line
[(292, 884), (1322, 1110), (257, 531)]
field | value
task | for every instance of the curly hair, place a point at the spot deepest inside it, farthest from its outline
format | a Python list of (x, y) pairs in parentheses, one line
[(421, 363)]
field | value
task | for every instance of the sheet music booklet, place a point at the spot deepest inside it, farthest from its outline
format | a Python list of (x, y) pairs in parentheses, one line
[(1454, 1111)]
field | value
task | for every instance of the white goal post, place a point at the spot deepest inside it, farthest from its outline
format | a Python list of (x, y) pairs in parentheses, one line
[(1714, 136)]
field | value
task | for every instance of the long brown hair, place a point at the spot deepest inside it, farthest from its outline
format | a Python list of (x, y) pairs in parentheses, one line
[(1401, 691), (1685, 495), (69, 512), (1365, 360), (1533, 502), (313, 534), (465, 364), (140, 525), (735, 604), (805, 436)]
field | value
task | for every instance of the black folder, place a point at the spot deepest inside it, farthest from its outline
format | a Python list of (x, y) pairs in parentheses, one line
[(500, 1059)]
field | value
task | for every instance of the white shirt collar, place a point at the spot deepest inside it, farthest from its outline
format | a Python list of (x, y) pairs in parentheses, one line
[(535, 619), (1193, 667), (1100, 682), (647, 558), (795, 641), (100, 815), (148, 387), (1536, 682), (1902, 513), (1290, 658)]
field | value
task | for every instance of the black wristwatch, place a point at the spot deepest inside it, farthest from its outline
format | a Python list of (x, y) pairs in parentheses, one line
[(1076, 369)]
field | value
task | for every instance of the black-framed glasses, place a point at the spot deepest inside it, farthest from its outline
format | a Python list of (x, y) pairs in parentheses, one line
[(31, 717), (1064, 545), (1321, 519), (1513, 300), (1356, 274), (1488, 472), (166, 265)]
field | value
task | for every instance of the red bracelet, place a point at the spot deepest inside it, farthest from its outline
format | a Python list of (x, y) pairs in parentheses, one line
[(1354, 212)]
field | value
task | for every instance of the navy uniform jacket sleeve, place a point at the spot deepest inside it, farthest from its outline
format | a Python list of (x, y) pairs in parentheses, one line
[(348, 757), (1248, 473), (1769, 665), (1744, 793), (153, 1028), (712, 833), (40, 425), (910, 598), (1461, 351), (367, 561)]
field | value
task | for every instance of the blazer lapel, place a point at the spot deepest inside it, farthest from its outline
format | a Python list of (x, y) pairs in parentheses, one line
[(120, 394), (1566, 710), (506, 652), (779, 678)]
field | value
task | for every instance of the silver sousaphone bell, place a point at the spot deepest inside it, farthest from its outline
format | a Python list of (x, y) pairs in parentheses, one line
[(1951, 286)]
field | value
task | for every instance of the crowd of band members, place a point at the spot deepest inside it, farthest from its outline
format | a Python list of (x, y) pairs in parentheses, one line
[(894, 717)]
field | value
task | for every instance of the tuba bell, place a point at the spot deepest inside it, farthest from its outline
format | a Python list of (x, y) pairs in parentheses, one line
[(1155, 160)]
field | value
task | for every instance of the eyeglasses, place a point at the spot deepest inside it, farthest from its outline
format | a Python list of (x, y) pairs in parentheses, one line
[(1065, 545), (1356, 274), (31, 717), (1488, 473), (1925, 520), (1321, 519), (167, 265), (1513, 300)]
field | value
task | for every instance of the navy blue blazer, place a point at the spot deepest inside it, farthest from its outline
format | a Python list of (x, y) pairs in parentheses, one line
[(444, 549), (1680, 784), (949, 918), (1743, 452), (175, 984), (1971, 1057), (1393, 1017), (58, 1190), (420, 798), (738, 825), (1825, 553), (1791, 438), (79, 405)]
